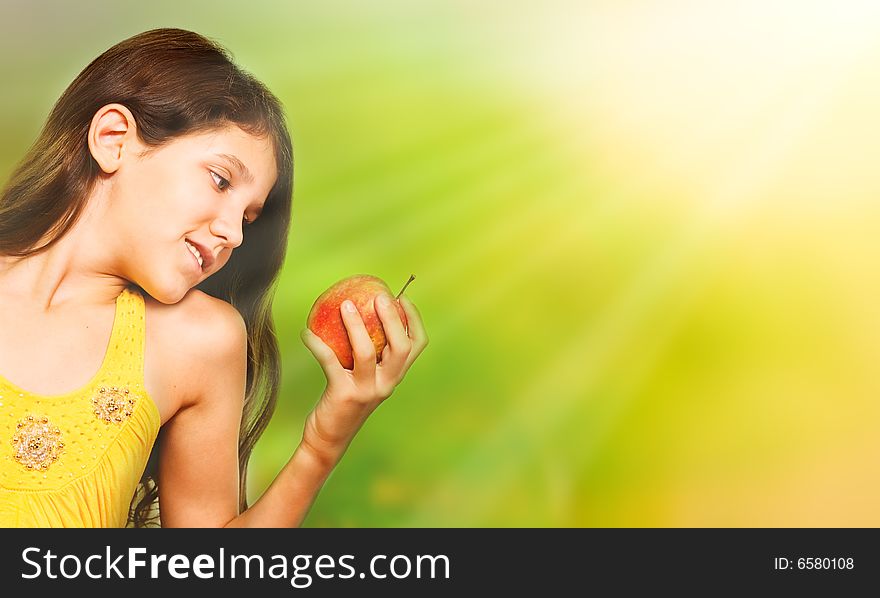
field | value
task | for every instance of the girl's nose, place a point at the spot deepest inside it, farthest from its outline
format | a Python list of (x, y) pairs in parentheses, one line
[(224, 228)]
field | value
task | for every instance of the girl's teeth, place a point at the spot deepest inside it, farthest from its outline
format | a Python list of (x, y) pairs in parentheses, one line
[(195, 252)]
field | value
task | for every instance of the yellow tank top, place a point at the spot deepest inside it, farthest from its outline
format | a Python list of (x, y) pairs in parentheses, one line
[(75, 460)]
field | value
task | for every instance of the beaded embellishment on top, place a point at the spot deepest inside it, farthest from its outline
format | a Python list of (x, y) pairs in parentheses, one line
[(37, 443), (113, 404)]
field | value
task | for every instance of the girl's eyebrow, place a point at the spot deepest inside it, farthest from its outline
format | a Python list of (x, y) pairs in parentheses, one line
[(239, 165)]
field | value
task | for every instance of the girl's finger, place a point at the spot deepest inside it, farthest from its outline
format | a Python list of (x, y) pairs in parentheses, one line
[(326, 357), (416, 330), (362, 349), (399, 344)]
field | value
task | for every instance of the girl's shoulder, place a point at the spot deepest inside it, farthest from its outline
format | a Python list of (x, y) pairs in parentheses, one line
[(187, 344), (199, 315)]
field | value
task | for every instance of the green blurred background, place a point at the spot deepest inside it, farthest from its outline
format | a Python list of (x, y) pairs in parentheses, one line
[(644, 235)]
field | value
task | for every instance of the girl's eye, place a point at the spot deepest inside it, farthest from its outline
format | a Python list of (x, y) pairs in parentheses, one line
[(222, 183)]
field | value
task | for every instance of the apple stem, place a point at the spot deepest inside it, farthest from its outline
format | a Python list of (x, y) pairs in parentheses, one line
[(412, 277)]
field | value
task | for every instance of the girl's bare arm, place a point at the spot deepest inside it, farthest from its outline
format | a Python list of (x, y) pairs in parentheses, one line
[(347, 401), (198, 456), (199, 463)]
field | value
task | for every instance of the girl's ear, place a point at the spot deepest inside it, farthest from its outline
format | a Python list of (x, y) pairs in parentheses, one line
[(112, 128)]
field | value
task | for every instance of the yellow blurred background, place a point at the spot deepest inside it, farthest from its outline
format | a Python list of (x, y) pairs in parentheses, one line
[(644, 235)]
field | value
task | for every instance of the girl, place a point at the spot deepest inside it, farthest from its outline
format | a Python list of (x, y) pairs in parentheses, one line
[(163, 167)]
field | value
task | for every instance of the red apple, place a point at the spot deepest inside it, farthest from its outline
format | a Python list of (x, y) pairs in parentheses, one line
[(325, 317)]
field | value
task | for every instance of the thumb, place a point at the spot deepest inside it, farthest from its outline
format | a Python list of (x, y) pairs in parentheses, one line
[(323, 354)]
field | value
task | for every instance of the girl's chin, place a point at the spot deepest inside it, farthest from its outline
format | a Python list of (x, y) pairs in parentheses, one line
[(167, 294)]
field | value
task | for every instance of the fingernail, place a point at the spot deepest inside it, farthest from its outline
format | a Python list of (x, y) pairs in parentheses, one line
[(348, 306), (384, 301)]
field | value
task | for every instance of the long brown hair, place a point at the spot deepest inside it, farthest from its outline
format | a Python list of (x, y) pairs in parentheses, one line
[(174, 82)]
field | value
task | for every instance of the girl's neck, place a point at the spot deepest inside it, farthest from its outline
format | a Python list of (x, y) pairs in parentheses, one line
[(78, 269)]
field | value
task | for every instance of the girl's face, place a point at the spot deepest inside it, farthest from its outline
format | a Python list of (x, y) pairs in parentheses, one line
[(179, 211)]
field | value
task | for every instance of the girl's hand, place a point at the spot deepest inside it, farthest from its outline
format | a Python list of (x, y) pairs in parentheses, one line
[(351, 395)]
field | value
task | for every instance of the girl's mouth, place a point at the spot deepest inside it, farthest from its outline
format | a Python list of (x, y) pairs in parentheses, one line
[(203, 255), (196, 253)]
